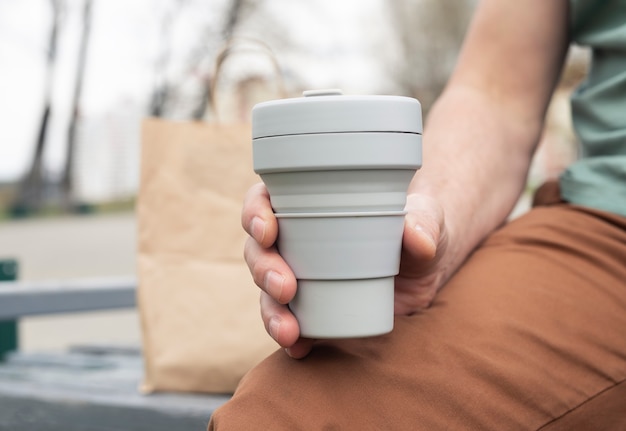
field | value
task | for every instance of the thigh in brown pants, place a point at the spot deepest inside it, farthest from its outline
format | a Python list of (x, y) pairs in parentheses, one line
[(530, 334)]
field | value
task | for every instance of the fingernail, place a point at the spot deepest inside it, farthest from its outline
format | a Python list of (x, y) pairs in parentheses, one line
[(274, 327), (274, 284), (257, 229)]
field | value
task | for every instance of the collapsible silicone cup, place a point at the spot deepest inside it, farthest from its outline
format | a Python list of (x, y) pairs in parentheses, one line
[(337, 169)]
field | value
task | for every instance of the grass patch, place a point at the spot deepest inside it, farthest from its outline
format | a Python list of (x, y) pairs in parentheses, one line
[(54, 207)]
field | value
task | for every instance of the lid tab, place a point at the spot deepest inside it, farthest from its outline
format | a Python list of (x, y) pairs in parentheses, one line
[(324, 92)]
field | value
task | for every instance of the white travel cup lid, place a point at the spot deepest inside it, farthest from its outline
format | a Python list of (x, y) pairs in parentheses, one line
[(328, 111)]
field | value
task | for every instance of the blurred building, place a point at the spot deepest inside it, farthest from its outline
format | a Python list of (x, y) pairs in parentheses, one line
[(107, 155)]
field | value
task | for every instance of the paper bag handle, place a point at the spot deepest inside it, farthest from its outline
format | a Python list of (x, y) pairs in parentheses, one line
[(227, 50)]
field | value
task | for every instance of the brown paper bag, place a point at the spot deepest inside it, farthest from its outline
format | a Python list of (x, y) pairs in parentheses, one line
[(198, 305)]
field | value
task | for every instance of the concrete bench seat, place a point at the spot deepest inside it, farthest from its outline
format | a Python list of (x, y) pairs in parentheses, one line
[(88, 387), (92, 388)]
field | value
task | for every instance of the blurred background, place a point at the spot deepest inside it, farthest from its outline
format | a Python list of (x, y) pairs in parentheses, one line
[(78, 76)]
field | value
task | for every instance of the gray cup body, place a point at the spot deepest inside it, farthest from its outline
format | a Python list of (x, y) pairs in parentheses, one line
[(337, 169)]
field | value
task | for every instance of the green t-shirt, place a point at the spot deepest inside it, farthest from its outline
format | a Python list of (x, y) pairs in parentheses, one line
[(598, 179)]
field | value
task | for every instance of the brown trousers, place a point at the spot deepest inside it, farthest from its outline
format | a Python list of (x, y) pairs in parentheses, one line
[(530, 334)]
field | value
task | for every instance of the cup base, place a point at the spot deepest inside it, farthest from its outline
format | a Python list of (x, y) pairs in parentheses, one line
[(344, 308)]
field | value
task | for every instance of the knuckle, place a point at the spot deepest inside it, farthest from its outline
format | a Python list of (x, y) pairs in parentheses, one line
[(265, 313), (251, 256)]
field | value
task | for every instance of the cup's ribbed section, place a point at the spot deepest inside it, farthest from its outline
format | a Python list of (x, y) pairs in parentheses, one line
[(341, 246)]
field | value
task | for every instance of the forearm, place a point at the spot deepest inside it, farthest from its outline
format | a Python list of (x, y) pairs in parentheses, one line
[(476, 158), (482, 132)]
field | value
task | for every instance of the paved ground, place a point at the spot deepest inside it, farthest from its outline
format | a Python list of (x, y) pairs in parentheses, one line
[(67, 248)]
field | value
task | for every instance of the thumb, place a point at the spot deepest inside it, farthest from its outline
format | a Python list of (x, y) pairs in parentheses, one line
[(424, 225)]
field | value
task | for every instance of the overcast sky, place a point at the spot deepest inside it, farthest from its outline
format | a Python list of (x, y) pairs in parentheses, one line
[(123, 47)]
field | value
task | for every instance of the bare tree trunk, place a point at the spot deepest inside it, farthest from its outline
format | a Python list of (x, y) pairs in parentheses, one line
[(29, 196), (167, 95), (161, 91), (67, 180), (234, 15)]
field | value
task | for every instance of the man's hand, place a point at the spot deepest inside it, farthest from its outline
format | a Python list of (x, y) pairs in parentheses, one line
[(421, 275)]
